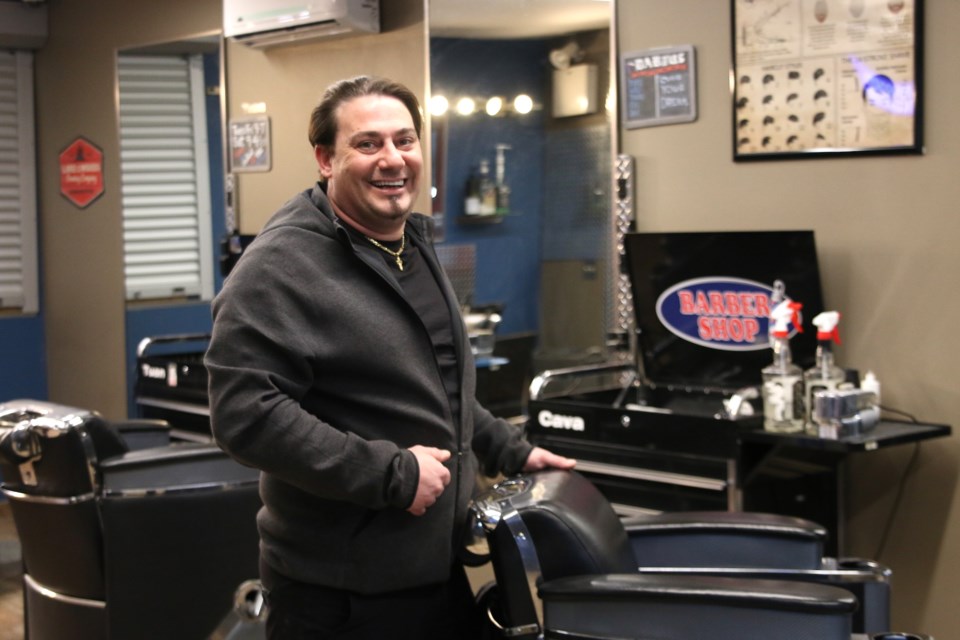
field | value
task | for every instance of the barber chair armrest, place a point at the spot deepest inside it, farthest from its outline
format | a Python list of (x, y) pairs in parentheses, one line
[(143, 433), (725, 539), (179, 466), (678, 607)]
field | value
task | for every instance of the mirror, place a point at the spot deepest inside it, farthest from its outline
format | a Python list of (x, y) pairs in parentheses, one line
[(169, 125), (524, 195)]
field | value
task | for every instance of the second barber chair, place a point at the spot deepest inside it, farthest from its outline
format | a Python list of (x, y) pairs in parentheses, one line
[(124, 534), (566, 566)]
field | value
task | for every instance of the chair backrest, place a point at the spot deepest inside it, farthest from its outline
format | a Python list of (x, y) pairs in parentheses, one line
[(726, 539), (573, 526), (53, 450), (544, 526), (49, 457)]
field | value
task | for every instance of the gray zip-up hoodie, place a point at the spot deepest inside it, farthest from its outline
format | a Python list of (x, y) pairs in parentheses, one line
[(321, 376)]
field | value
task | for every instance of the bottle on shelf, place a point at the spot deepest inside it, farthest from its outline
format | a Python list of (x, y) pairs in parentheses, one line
[(824, 375), (503, 190), (782, 388), (872, 384), (471, 200), (488, 190)]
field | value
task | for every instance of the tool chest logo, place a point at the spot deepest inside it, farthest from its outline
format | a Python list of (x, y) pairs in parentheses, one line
[(731, 314), (552, 420)]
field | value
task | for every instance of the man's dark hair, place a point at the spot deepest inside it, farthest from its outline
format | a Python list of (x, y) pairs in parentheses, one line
[(323, 120)]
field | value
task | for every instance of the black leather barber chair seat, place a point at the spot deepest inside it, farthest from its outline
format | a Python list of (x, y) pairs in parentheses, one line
[(565, 566), (124, 534)]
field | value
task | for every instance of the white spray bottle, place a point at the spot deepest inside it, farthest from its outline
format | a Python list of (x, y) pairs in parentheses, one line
[(824, 375), (782, 379)]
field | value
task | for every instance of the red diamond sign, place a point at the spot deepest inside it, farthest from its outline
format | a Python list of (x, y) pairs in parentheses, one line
[(81, 172)]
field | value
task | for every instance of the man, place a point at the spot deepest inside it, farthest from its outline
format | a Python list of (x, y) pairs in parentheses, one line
[(339, 365)]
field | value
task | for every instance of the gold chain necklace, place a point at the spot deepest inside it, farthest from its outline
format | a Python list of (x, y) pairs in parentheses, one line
[(395, 254)]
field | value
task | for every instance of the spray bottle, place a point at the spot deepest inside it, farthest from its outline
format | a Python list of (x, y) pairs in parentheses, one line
[(783, 380), (825, 375)]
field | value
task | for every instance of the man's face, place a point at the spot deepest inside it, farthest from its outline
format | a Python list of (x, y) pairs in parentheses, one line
[(373, 170)]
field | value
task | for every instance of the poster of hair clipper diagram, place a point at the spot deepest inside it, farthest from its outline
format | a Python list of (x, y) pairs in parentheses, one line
[(815, 77)]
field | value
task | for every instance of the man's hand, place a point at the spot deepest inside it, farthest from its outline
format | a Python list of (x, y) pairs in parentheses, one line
[(543, 459), (434, 477)]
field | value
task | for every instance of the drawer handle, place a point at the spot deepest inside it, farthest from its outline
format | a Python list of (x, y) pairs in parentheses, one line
[(649, 475)]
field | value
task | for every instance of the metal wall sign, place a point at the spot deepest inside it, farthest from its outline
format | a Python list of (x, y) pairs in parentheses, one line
[(659, 86), (81, 172)]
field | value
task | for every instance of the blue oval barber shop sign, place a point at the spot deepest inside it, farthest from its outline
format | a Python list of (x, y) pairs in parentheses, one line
[(725, 313)]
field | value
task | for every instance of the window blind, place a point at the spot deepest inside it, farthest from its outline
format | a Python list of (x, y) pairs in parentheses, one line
[(18, 184), (165, 180)]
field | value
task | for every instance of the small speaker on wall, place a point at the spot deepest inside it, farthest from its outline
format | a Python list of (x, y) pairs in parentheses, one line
[(575, 91)]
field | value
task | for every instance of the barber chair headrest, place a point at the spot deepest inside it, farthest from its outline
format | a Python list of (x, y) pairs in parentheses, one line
[(573, 527), (66, 441)]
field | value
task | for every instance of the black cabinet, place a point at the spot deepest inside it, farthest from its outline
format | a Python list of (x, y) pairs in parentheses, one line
[(647, 459)]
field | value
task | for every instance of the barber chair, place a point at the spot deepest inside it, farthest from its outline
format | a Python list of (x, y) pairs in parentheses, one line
[(566, 566), (124, 534)]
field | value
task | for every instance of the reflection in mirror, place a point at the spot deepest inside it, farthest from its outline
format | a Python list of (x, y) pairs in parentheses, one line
[(523, 157), (169, 125)]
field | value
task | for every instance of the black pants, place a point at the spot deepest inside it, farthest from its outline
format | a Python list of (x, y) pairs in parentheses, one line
[(299, 611)]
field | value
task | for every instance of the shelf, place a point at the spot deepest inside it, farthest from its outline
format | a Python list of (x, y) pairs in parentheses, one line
[(492, 218)]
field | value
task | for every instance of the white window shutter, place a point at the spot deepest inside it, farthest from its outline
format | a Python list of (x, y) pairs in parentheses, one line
[(19, 287), (165, 178)]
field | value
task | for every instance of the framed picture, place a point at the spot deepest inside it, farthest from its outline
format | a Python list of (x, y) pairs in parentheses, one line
[(249, 144), (814, 78), (659, 86)]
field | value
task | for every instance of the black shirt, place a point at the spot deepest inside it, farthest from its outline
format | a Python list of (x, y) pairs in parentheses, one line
[(422, 291)]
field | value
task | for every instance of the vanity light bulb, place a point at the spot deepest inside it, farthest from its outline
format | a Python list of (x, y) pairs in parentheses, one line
[(523, 103), (494, 105), (438, 105), (466, 106)]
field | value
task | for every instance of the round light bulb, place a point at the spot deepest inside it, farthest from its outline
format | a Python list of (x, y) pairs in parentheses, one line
[(466, 106), (523, 103), (438, 105), (494, 105)]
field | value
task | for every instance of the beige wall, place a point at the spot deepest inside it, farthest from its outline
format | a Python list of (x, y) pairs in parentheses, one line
[(82, 250), (886, 229), (82, 263), (290, 82)]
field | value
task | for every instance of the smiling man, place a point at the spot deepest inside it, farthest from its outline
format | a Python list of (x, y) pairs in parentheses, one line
[(340, 367)]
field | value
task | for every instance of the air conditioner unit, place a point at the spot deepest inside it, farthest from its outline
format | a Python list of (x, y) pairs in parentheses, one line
[(270, 23)]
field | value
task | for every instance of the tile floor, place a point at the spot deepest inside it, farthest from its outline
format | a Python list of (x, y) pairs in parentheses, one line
[(11, 592)]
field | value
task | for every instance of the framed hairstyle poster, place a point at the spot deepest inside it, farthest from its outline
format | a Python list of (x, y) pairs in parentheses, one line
[(824, 77)]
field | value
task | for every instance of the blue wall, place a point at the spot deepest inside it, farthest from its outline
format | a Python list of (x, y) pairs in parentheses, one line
[(508, 253), (23, 356)]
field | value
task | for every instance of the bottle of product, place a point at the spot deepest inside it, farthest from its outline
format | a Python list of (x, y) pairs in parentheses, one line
[(488, 190), (471, 200), (782, 379), (503, 199), (870, 383), (503, 190), (824, 375)]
